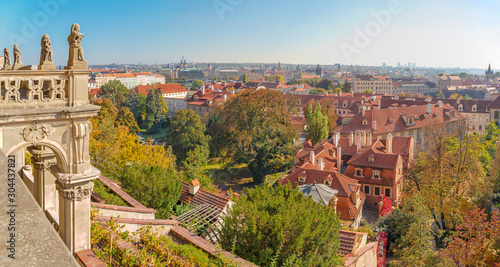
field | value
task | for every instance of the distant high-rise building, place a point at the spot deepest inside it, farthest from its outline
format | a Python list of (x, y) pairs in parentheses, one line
[(399, 65)]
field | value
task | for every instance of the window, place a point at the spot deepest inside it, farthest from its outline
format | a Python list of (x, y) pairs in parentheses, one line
[(336, 104), (367, 190), (376, 175), (460, 107), (302, 177), (328, 182), (387, 192), (474, 108), (365, 122), (480, 128), (358, 172), (345, 104), (377, 191)]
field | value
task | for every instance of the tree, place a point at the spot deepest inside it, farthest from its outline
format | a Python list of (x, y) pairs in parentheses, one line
[(368, 91), (194, 168), (462, 75), (317, 124), (325, 84), (244, 78), (251, 127), (185, 133), (317, 91), (312, 81), (126, 118), (156, 110), (415, 246), (115, 91), (450, 175), (346, 87), (195, 85), (153, 186), (133, 103), (327, 108), (280, 227), (477, 242), (440, 94)]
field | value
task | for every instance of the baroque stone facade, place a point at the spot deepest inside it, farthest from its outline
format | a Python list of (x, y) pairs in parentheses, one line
[(47, 111)]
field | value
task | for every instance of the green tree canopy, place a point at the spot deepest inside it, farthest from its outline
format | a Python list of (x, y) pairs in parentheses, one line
[(185, 133), (156, 110), (153, 186), (317, 124), (317, 91), (440, 94), (126, 118), (244, 78), (255, 126), (195, 85), (325, 84), (346, 87), (115, 91), (280, 227)]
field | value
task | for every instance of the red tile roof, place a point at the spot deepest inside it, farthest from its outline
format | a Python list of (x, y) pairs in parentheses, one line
[(168, 88), (396, 119), (202, 197), (340, 182)]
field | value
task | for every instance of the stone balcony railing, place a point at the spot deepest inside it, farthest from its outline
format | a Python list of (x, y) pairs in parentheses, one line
[(27, 88)]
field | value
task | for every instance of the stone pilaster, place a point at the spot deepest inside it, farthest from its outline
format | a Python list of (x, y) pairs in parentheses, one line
[(74, 214), (44, 183)]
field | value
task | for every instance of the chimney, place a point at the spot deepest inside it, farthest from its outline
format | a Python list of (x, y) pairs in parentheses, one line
[(374, 126), (321, 164), (336, 138), (440, 103), (389, 144), (194, 186), (333, 203), (379, 102), (363, 139), (369, 139), (224, 97), (355, 197), (363, 110), (351, 137), (311, 156), (358, 141), (429, 108), (339, 159), (203, 89)]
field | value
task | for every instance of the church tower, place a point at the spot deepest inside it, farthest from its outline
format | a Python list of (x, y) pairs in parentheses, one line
[(489, 73)]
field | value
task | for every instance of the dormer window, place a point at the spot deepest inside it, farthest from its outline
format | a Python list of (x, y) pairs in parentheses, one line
[(302, 177), (460, 107), (376, 175), (364, 122), (328, 181), (358, 172), (371, 158), (474, 108), (345, 104), (411, 121), (336, 104), (391, 119)]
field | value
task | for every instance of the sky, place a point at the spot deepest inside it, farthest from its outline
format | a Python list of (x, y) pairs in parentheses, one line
[(459, 33)]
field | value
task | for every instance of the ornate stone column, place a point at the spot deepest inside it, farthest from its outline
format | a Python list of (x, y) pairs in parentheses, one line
[(44, 184), (74, 214)]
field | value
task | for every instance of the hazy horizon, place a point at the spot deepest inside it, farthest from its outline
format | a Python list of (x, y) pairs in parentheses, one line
[(445, 34)]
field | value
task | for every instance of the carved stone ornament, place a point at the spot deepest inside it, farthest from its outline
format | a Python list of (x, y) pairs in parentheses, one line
[(35, 133), (78, 193)]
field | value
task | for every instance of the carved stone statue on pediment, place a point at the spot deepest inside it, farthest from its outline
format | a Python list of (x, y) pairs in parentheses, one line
[(6, 57), (75, 38), (17, 57), (46, 61)]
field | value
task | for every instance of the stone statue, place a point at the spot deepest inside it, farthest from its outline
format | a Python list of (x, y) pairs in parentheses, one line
[(17, 57), (17, 54), (6, 56), (46, 54), (46, 61), (75, 41)]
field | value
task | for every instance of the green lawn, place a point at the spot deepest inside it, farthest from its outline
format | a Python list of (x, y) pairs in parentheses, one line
[(159, 135), (237, 177)]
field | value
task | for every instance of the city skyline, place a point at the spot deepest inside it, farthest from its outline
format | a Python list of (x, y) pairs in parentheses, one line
[(445, 34)]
